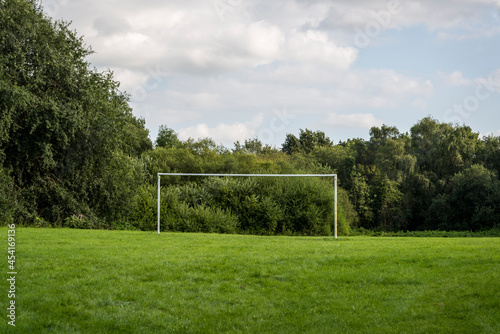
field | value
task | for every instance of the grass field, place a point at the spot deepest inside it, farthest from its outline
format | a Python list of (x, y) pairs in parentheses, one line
[(87, 281)]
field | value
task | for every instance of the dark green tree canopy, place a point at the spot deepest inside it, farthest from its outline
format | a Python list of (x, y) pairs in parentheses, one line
[(306, 142), (166, 138), (61, 120), (469, 202)]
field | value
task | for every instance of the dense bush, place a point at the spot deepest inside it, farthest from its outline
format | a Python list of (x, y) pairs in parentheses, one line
[(470, 202), (181, 216), (7, 200), (267, 206)]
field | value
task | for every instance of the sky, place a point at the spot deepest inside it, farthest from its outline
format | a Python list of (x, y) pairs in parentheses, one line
[(233, 70)]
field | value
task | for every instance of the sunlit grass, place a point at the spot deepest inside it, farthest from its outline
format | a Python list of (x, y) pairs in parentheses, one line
[(82, 281)]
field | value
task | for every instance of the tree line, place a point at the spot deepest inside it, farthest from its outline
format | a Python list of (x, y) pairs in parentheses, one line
[(436, 176), (73, 154)]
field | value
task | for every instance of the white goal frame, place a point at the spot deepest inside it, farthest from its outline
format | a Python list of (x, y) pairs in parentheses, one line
[(254, 175)]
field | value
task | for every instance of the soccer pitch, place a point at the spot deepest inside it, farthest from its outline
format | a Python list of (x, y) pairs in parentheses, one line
[(88, 281)]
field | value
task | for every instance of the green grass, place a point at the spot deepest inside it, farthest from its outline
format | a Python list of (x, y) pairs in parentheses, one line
[(88, 281)]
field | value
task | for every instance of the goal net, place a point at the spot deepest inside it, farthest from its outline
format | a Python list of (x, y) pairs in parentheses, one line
[(252, 175)]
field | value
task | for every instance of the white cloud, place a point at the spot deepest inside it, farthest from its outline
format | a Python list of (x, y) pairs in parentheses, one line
[(489, 134), (223, 133), (192, 36), (263, 40), (134, 50), (307, 90), (202, 68), (394, 84), (455, 78), (316, 47), (471, 16), (444, 14), (111, 24), (129, 79), (491, 82), (365, 121)]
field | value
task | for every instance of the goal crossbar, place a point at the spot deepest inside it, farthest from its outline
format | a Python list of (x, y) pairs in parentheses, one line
[(255, 175)]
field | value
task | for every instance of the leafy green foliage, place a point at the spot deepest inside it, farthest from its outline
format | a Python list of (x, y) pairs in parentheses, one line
[(416, 181), (250, 205), (180, 214), (244, 205), (79, 221), (307, 141), (471, 202), (73, 154), (7, 198), (166, 138), (63, 124)]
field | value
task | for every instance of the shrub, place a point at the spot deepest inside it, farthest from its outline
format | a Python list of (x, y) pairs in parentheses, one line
[(7, 198), (180, 215), (265, 206), (209, 220), (80, 221), (143, 210), (259, 215)]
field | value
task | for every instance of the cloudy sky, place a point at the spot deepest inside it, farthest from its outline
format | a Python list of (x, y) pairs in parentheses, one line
[(239, 69)]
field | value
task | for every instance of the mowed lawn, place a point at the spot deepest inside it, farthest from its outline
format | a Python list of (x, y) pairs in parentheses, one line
[(88, 281)]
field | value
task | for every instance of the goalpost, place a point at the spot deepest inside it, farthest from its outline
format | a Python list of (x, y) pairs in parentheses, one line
[(255, 175)]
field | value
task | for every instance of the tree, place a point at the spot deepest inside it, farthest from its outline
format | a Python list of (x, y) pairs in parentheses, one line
[(7, 198), (470, 203), (306, 142), (166, 138), (443, 149), (361, 198), (135, 136), (291, 144), (254, 146), (392, 159), (388, 201), (384, 132), (61, 121), (341, 158), (489, 153)]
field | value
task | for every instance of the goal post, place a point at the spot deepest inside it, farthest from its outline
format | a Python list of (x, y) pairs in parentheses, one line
[(254, 175)]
